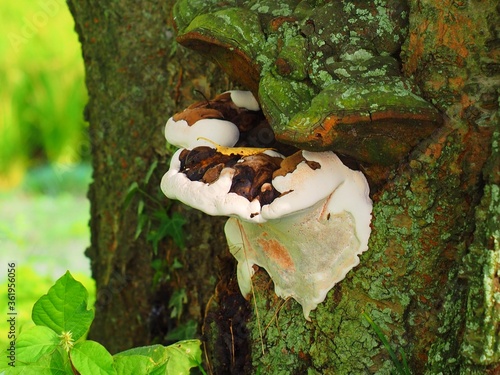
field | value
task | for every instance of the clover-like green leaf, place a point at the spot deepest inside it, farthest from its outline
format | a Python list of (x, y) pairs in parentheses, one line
[(170, 226)]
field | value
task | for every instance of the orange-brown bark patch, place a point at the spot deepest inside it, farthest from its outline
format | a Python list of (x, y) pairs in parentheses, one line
[(416, 46)]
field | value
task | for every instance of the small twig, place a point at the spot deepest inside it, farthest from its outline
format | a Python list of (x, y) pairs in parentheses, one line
[(204, 97), (275, 315), (233, 361)]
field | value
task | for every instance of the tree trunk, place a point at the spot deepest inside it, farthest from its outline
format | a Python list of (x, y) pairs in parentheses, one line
[(430, 279), (137, 77)]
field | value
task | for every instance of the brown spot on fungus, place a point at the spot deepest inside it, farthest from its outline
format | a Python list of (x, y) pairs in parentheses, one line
[(289, 164), (277, 252)]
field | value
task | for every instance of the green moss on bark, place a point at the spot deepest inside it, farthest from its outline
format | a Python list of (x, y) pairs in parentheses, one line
[(430, 277), (481, 343)]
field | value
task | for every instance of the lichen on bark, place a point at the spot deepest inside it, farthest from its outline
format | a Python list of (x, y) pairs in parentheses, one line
[(347, 47), (481, 343), (430, 277), (412, 280)]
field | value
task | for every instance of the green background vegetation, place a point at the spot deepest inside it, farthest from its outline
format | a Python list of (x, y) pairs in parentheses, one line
[(44, 169), (43, 92)]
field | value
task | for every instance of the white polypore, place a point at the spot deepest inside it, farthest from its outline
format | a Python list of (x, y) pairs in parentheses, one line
[(313, 235), (307, 239), (213, 199), (244, 99), (222, 132)]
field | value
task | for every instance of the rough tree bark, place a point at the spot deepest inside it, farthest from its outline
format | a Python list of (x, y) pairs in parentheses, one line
[(136, 78), (431, 277)]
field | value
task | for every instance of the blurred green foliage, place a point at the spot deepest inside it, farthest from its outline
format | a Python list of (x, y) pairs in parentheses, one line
[(43, 223), (53, 179), (43, 92)]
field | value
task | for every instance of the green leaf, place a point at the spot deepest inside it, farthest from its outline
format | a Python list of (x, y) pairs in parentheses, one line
[(64, 308), (169, 226), (183, 331), (33, 343), (154, 239), (140, 207), (150, 171), (156, 353), (180, 358), (176, 303), (177, 265), (174, 229), (49, 364), (91, 358), (406, 368), (143, 359), (175, 359), (133, 364), (142, 220), (402, 369), (132, 189)]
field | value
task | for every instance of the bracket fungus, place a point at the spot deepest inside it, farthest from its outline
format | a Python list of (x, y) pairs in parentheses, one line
[(215, 120), (303, 216), (327, 74)]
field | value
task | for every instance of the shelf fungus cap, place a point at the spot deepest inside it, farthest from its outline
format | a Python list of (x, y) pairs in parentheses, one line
[(374, 122), (313, 234), (206, 123), (307, 237), (214, 198), (181, 134), (232, 37), (304, 218)]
